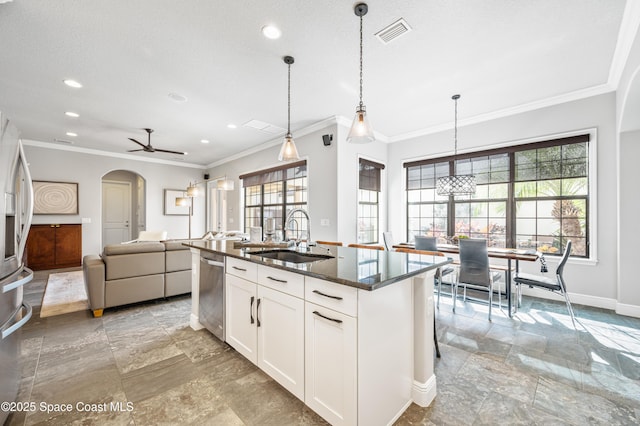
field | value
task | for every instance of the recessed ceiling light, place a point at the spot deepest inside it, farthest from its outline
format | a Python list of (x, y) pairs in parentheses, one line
[(72, 83), (231, 126), (177, 97), (186, 153), (271, 31), (72, 114), (73, 135), (204, 141)]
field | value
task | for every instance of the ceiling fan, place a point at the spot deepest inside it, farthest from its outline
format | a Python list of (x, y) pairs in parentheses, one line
[(148, 147)]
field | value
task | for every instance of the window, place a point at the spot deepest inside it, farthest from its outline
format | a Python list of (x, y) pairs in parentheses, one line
[(368, 201), (528, 196), (273, 193)]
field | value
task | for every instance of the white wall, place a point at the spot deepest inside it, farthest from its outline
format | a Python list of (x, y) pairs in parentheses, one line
[(88, 170), (589, 283), (332, 177), (321, 172)]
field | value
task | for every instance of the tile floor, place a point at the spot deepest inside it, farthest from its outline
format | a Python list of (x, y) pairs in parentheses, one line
[(534, 369)]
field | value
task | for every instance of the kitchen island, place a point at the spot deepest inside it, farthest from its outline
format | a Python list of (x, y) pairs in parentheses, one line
[(348, 331)]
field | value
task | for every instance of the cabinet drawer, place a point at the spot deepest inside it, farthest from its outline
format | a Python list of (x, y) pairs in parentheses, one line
[(284, 281), (242, 269), (334, 296)]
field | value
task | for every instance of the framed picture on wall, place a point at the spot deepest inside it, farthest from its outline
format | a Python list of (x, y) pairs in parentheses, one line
[(170, 208), (55, 197)]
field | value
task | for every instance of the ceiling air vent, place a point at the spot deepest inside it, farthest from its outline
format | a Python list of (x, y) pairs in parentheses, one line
[(61, 140), (393, 31), (265, 127)]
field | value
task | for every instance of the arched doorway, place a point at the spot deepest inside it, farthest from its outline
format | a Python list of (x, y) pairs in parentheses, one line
[(123, 206)]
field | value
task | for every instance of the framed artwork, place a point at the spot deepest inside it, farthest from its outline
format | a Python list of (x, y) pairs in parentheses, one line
[(170, 208), (55, 197)]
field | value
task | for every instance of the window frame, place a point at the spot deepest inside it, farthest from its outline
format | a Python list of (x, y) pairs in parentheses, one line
[(379, 185), (590, 199)]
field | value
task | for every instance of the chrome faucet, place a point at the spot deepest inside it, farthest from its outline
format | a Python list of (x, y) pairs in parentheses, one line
[(291, 219)]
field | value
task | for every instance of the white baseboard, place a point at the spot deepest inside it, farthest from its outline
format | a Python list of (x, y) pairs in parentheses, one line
[(628, 310), (194, 322), (424, 393)]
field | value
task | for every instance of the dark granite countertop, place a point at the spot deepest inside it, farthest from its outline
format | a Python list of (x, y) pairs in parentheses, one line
[(362, 268)]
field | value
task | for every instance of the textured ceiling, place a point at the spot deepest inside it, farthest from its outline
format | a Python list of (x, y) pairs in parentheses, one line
[(130, 54)]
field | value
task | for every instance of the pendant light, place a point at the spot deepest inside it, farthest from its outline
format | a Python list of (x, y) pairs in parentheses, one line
[(288, 151), (361, 131), (456, 184)]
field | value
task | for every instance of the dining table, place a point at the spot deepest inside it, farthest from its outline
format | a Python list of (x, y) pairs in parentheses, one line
[(508, 254)]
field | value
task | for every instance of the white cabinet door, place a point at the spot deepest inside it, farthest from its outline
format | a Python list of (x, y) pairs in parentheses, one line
[(330, 364), (240, 316), (281, 338)]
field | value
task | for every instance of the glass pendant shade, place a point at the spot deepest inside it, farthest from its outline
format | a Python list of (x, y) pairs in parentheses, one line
[(456, 185), (361, 131), (288, 150)]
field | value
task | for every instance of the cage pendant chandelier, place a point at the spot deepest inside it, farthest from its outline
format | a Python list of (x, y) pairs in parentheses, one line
[(456, 184), (288, 150), (361, 131)]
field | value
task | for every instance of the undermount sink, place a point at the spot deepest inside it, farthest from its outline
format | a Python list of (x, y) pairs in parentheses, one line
[(292, 256)]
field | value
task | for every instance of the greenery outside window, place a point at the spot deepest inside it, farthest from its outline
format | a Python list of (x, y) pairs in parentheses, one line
[(533, 196), (273, 193), (369, 185)]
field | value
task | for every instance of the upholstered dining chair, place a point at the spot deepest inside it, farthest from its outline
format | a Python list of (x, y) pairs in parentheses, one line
[(329, 243), (431, 244), (556, 285), (474, 269), (367, 246)]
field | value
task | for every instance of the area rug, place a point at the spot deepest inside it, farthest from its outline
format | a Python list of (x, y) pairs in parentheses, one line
[(64, 293)]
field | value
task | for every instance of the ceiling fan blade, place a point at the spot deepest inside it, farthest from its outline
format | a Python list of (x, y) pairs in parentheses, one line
[(170, 152), (135, 150), (141, 144)]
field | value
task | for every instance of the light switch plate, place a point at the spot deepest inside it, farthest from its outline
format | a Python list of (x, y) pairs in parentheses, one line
[(86, 220), (325, 222)]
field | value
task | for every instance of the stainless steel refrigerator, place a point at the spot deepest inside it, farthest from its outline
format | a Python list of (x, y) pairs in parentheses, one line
[(15, 219)]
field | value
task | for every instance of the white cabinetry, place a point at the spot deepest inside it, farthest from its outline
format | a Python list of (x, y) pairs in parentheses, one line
[(331, 364), (267, 325)]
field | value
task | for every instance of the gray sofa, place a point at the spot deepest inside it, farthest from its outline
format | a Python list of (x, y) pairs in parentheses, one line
[(130, 273)]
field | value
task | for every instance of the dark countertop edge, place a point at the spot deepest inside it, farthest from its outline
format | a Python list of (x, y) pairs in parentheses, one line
[(362, 286)]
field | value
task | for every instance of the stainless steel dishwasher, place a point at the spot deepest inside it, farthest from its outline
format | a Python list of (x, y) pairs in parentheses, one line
[(212, 306)]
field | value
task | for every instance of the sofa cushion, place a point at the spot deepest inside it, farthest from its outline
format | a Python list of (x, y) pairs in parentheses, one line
[(177, 283), (171, 245), (177, 260), (132, 290), (146, 247), (134, 265)]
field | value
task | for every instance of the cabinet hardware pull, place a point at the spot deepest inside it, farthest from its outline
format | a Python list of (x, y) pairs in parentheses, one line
[(327, 295), (277, 279), (327, 318), (251, 309), (258, 312), (239, 269)]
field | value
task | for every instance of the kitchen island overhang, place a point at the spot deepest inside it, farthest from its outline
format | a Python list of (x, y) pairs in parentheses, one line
[(386, 283)]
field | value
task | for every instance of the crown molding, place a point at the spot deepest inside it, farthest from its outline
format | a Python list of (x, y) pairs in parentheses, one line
[(626, 36), (519, 109), (277, 141), (48, 145)]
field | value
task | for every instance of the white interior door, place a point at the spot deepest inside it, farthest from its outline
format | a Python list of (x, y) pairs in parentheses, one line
[(116, 212)]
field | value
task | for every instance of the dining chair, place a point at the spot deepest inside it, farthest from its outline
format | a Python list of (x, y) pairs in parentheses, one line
[(557, 286), (440, 272), (474, 269), (367, 246), (330, 243), (387, 237)]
